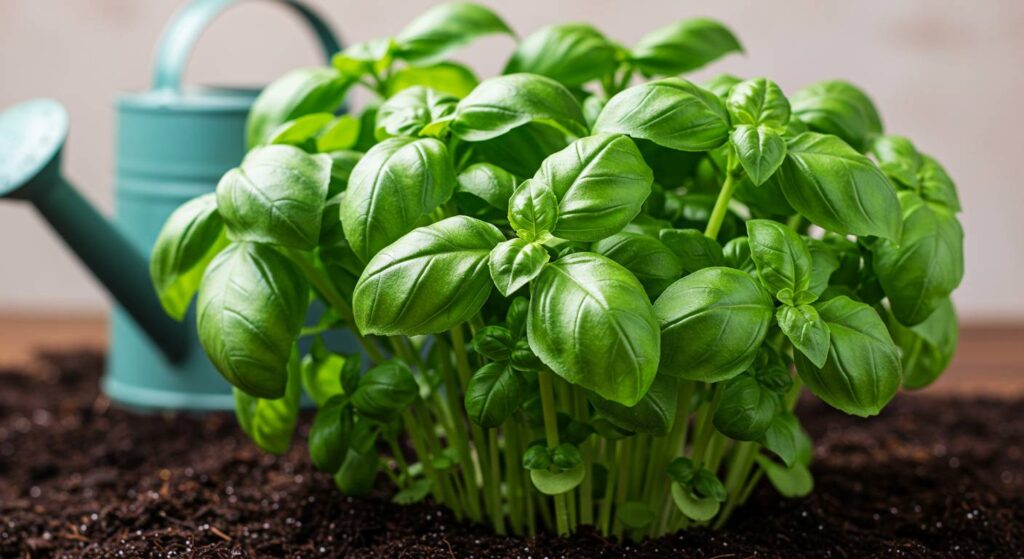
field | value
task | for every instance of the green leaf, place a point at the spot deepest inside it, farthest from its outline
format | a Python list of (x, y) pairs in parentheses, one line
[(428, 281), (898, 159), (515, 263), (936, 185), (522, 150), (494, 342), (270, 423), (805, 329), (712, 323), (369, 57), (682, 470), (592, 324), (760, 151), (409, 111), (446, 77), (787, 440), (745, 410), (566, 456), (862, 372), (533, 210), (329, 434), (721, 85), (635, 514), (926, 349), (358, 473), (758, 102), (297, 132), (824, 261), (838, 108), (791, 482), (672, 112), (646, 257), (187, 242), (572, 54), (276, 196), (600, 182), (298, 93), (683, 47), (556, 483), (837, 188), (393, 186), (385, 391), (342, 134), (493, 394), (920, 272), (537, 457), (781, 256), (698, 509), (653, 414), (488, 182), (499, 105), (706, 484), (445, 28), (252, 303), (321, 374), (414, 493), (694, 249)]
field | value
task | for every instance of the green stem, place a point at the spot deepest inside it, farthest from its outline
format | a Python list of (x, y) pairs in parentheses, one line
[(547, 399), (724, 196), (457, 437), (497, 518)]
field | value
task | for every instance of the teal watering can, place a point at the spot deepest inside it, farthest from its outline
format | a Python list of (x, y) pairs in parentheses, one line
[(173, 144)]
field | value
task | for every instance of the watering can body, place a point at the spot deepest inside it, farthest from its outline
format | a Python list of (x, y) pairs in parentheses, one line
[(173, 144)]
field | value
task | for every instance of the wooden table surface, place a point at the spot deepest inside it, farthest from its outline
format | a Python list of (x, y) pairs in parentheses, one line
[(989, 361)]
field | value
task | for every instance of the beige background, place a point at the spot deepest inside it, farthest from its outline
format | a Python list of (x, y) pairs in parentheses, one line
[(948, 74)]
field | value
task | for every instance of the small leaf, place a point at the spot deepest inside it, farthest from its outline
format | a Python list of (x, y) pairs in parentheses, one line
[(694, 249), (653, 414), (787, 439), (329, 434), (556, 483), (493, 394), (515, 263), (488, 182), (446, 77), (745, 409), (805, 329), (760, 151), (635, 514), (358, 473), (791, 482), (494, 342), (758, 102), (411, 110), (270, 423), (414, 493), (533, 210), (706, 484), (298, 93), (385, 391), (698, 509), (299, 131)]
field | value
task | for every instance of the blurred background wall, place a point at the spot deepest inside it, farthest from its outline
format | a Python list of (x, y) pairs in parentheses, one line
[(948, 74)]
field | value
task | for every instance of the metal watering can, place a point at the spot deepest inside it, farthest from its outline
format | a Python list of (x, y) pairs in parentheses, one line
[(172, 145)]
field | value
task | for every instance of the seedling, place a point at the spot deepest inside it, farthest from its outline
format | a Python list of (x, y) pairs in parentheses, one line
[(584, 298)]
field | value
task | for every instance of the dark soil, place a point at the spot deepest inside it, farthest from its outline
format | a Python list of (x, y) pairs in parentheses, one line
[(930, 477)]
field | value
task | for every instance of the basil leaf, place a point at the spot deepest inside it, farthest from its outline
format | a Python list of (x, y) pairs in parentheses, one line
[(898, 159), (706, 484), (745, 410), (838, 108), (494, 342), (805, 329), (556, 483), (369, 57), (862, 372), (187, 242), (646, 257), (428, 281), (385, 391), (392, 187), (443, 29), (837, 188), (533, 210), (760, 150), (672, 113), (358, 473), (781, 256), (592, 324), (920, 272), (270, 423), (276, 196), (758, 102), (411, 110), (936, 186), (572, 54), (721, 85), (515, 263), (342, 134), (252, 303), (600, 182), (493, 394), (698, 509), (653, 414), (446, 77), (321, 373), (488, 182), (635, 514), (927, 348), (824, 261), (297, 132), (791, 482), (695, 250), (787, 440), (712, 323), (683, 47), (329, 434), (300, 92), (737, 255), (499, 105)]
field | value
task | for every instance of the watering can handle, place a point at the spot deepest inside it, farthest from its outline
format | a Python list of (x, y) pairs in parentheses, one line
[(176, 42)]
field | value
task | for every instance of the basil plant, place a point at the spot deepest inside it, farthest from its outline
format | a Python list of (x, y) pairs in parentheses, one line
[(588, 291)]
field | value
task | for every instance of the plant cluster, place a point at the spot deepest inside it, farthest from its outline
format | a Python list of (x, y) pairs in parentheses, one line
[(582, 297)]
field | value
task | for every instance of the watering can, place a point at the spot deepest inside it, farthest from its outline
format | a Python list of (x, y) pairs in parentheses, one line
[(173, 144)]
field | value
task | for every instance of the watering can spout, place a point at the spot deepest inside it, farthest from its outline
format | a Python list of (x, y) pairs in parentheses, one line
[(32, 135)]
